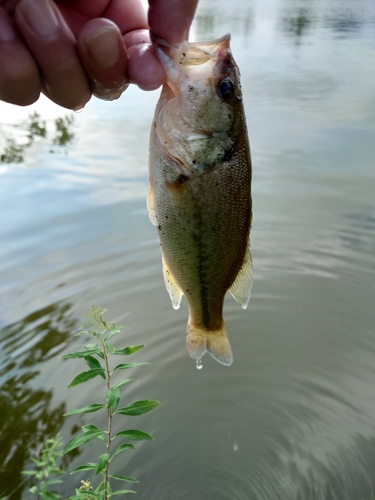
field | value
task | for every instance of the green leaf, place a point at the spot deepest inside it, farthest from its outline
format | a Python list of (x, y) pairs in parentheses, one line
[(34, 490), (109, 347), (82, 439), (106, 325), (84, 329), (93, 428), (85, 376), (96, 347), (113, 332), (39, 462), (113, 396), (123, 447), (103, 461), (124, 478), (89, 466), (81, 354), (29, 473), (84, 494), (139, 407), (124, 366), (86, 409), (123, 382), (122, 492), (135, 435), (109, 490), (100, 487), (53, 481), (56, 470), (47, 495), (129, 350), (93, 363), (91, 350), (43, 488)]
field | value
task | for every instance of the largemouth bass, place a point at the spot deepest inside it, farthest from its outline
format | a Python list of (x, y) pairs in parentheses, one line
[(199, 194)]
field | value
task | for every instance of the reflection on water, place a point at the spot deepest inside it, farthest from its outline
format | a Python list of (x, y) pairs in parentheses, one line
[(64, 134), (298, 22), (294, 417), (17, 138), (347, 18), (213, 21), (27, 412)]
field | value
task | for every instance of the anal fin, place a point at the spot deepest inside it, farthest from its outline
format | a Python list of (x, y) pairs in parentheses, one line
[(241, 287), (171, 285), (151, 204)]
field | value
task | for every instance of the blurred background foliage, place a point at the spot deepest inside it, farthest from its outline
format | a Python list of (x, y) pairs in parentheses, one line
[(16, 139)]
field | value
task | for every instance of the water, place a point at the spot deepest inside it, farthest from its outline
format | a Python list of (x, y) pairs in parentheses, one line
[(294, 416)]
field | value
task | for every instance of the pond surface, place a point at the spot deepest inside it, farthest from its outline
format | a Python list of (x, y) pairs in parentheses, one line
[(294, 417)]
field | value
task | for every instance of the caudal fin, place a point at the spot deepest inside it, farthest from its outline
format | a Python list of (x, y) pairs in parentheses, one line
[(199, 341)]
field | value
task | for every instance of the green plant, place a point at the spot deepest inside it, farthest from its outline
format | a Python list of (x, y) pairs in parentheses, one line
[(46, 467), (97, 356)]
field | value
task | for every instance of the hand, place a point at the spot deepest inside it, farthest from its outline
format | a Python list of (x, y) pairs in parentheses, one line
[(71, 49)]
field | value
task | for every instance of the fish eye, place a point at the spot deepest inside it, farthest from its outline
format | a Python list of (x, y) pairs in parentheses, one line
[(225, 88)]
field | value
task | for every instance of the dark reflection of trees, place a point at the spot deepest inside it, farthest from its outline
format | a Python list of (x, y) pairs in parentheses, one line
[(358, 233), (15, 145), (297, 23), (64, 134), (211, 22), (299, 17), (26, 415), (344, 23)]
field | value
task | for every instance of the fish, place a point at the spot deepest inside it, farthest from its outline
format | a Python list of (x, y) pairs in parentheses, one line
[(199, 192)]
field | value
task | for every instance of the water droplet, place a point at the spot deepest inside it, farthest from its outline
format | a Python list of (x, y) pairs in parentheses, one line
[(199, 364), (235, 446)]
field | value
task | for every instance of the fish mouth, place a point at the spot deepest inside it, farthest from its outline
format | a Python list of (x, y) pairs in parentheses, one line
[(178, 58), (190, 53)]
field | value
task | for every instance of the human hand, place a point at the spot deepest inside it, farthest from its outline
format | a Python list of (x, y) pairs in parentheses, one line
[(71, 49)]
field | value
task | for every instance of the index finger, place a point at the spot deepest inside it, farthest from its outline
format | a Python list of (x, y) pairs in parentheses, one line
[(171, 19)]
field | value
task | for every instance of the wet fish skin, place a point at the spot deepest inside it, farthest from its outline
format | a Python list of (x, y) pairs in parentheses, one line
[(200, 188)]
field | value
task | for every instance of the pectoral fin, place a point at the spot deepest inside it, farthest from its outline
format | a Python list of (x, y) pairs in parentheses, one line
[(171, 285), (151, 204), (241, 287)]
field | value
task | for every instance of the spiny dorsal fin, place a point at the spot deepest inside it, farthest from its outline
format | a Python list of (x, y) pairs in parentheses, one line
[(241, 287), (171, 285)]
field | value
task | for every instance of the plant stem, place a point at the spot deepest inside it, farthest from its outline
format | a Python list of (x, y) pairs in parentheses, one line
[(106, 355)]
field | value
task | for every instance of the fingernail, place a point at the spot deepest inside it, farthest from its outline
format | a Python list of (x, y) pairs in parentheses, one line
[(40, 16), (7, 32), (104, 49)]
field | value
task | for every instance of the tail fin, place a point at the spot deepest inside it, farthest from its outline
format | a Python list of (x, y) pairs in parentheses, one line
[(199, 341)]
